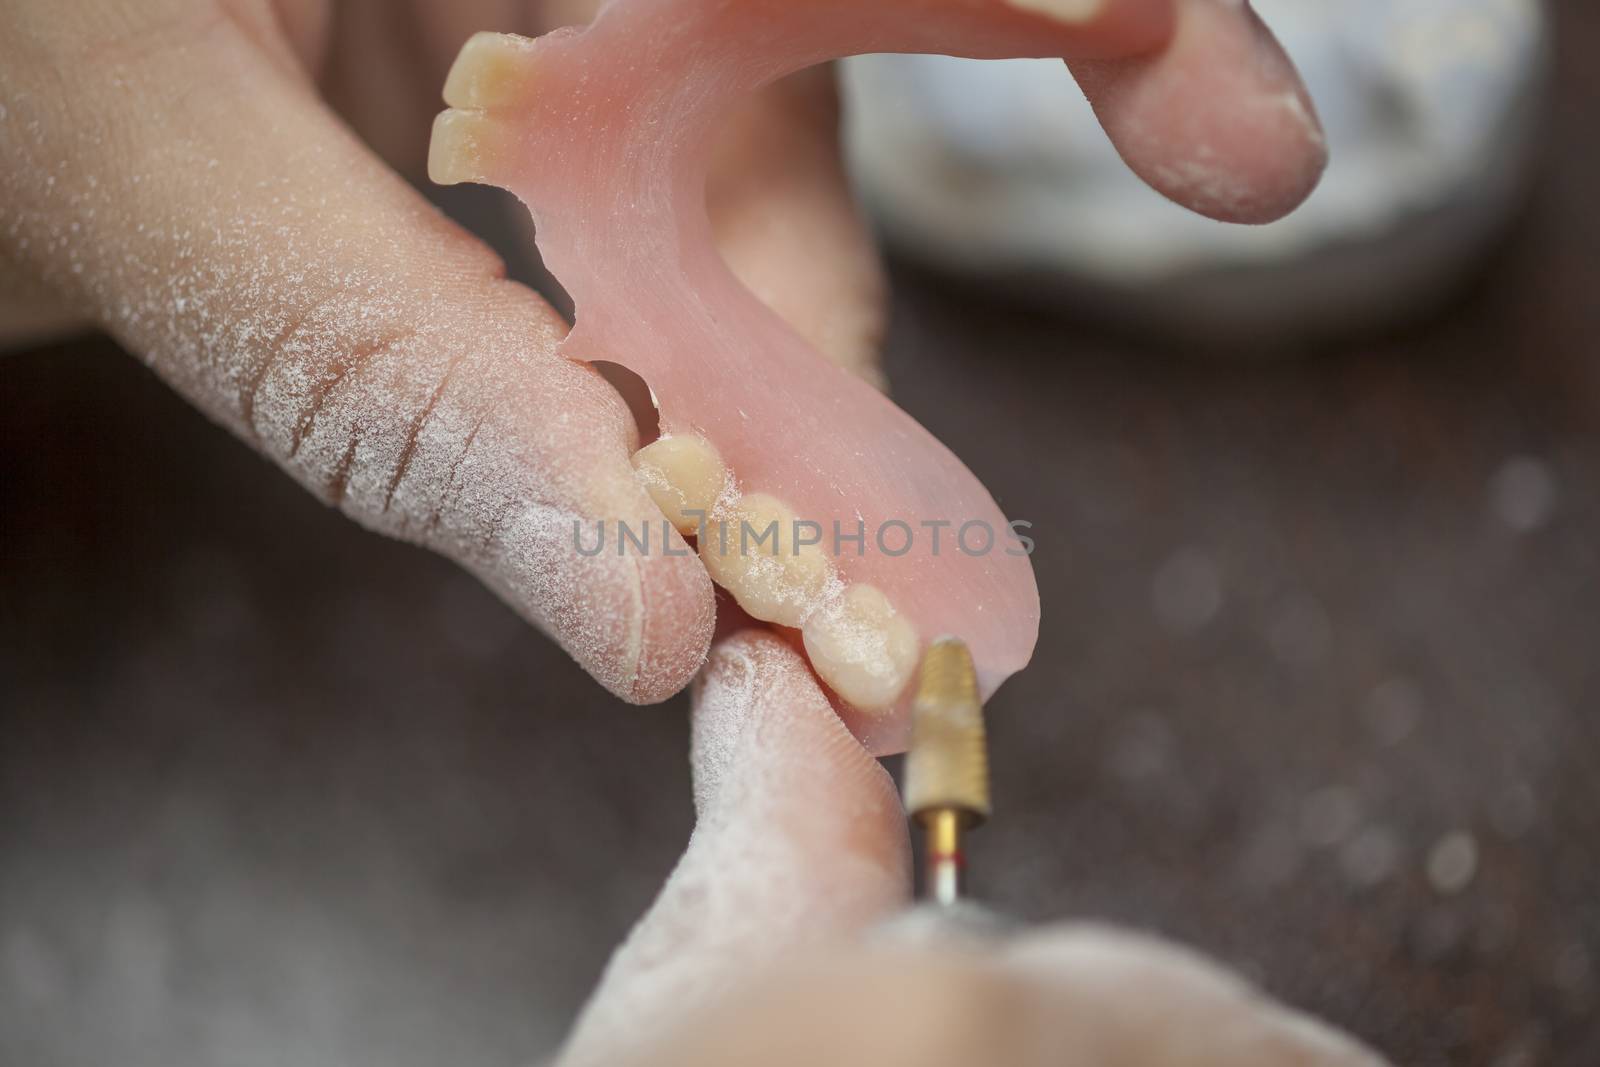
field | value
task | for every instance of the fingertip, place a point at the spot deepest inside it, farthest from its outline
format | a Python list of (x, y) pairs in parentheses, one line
[(639, 621), (761, 716), (654, 610), (1219, 121), (773, 763), (677, 615), (1251, 164)]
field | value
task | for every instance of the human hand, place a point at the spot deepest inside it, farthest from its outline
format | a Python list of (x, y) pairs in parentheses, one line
[(181, 173), (767, 944), (175, 172)]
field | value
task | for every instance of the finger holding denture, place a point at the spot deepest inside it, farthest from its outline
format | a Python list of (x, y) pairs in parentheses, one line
[(815, 501)]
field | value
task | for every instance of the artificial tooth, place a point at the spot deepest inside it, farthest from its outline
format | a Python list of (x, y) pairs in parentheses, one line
[(752, 552), (1069, 11), (464, 147), (492, 70), (682, 473), (862, 647)]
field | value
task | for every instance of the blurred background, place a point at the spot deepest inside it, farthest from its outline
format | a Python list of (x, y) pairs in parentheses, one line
[(1318, 686)]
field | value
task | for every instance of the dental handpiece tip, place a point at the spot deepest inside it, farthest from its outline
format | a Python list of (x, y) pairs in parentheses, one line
[(946, 788)]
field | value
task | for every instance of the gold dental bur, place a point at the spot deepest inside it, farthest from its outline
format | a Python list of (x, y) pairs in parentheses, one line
[(946, 789)]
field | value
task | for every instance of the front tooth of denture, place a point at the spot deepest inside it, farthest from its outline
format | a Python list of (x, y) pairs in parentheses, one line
[(682, 473), (862, 647), (751, 550), (466, 147), (492, 70)]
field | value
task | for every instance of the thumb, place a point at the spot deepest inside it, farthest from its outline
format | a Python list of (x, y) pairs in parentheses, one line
[(188, 191), (800, 841)]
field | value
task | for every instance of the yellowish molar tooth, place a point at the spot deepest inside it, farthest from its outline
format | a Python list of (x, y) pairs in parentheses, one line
[(1071, 12), (862, 647), (751, 550), (492, 70), (467, 147), (682, 473)]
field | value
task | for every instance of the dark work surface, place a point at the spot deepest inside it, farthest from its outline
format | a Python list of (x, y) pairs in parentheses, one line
[(1318, 690)]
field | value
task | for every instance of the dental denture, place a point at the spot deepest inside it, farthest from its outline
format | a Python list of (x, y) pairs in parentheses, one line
[(813, 500)]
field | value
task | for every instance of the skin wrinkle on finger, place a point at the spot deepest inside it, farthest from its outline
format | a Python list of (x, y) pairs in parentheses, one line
[(799, 840), (303, 297), (471, 480)]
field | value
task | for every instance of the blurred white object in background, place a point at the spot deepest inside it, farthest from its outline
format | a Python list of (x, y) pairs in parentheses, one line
[(1000, 169)]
